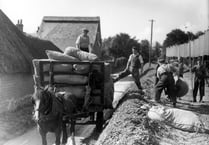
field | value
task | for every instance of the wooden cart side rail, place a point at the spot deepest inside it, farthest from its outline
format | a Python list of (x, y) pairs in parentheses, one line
[(51, 73)]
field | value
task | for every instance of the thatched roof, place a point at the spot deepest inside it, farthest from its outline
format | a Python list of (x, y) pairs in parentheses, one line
[(17, 49), (63, 31)]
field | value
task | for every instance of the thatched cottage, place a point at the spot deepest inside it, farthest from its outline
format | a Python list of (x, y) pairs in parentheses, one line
[(17, 49), (63, 31)]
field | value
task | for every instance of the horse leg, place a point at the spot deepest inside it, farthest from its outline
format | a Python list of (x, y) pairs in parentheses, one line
[(72, 131), (64, 133), (58, 136), (43, 137)]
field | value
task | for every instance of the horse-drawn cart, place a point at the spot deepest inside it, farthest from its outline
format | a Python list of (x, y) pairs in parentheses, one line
[(89, 82)]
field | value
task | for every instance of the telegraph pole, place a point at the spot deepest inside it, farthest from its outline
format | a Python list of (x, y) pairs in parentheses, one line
[(150, 42), (190, 53)]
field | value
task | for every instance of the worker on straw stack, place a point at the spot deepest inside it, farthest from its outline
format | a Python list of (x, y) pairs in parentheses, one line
[(134, 64), (166, 81), (83, 41), (199, 81)]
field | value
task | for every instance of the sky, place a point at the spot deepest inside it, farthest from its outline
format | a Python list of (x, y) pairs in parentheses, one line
[(116, 16)]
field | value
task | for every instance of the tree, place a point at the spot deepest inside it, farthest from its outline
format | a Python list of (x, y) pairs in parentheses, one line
[(106, 44), (157, 52), (121, 45), (199, 33), (175, 37), (191, 36), (145, 49)]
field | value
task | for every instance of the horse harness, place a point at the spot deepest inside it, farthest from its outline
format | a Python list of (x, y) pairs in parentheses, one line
[(46, 113)]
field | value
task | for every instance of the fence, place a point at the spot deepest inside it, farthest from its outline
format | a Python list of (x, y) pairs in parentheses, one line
[(198, 47)]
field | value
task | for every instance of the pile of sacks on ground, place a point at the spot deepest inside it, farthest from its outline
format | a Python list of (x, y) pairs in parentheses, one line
[(78, 78), (177, 118)]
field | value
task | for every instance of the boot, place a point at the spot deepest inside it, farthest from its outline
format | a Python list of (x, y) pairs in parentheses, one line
[(200, 99)]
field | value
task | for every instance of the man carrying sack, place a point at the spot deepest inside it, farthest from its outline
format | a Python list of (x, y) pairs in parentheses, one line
[(166, 81)]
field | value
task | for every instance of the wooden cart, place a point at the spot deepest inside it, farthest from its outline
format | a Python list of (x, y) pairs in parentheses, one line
[(45, 73)]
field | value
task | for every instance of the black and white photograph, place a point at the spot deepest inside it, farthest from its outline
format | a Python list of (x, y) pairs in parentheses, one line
[(104, 72)]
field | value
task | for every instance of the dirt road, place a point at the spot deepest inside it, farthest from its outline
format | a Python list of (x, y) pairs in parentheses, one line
[(32, 137)]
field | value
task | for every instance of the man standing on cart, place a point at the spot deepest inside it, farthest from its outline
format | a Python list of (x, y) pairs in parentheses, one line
[(83, 41), (134, 64)]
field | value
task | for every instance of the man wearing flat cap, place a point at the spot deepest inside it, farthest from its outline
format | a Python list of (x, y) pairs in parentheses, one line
[(166, 81), (83, 40)]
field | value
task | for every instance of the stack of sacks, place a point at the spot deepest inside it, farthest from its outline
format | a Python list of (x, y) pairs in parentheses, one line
[(55, 55), (78, 80), (73, 54), (81, 55)]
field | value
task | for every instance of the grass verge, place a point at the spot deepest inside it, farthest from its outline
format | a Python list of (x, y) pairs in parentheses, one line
[(17, 120)]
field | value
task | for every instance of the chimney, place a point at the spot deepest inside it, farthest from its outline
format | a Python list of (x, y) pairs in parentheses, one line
[(19, 25)]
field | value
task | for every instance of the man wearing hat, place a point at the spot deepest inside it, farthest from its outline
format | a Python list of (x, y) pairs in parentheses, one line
[(83, 40), (134, 64), (166, 81)]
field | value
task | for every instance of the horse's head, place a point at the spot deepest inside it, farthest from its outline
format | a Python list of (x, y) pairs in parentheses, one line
[(42, 100)]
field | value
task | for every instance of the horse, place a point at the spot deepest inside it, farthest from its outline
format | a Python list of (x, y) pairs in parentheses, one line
[(49, 108)]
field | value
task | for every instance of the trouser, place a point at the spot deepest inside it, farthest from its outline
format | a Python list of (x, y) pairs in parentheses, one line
[(156, 79), (135, 75), (167, 82), (84, 49), (199, 84)]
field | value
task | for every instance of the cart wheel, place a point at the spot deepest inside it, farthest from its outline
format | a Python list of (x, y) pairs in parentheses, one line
[(99, 121)]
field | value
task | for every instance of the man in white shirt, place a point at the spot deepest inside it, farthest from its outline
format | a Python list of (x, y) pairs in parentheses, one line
[(135, 62), (166, 81), (83, 41)]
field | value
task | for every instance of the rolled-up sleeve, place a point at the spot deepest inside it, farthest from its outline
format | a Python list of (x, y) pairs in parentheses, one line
[(78, 40)]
